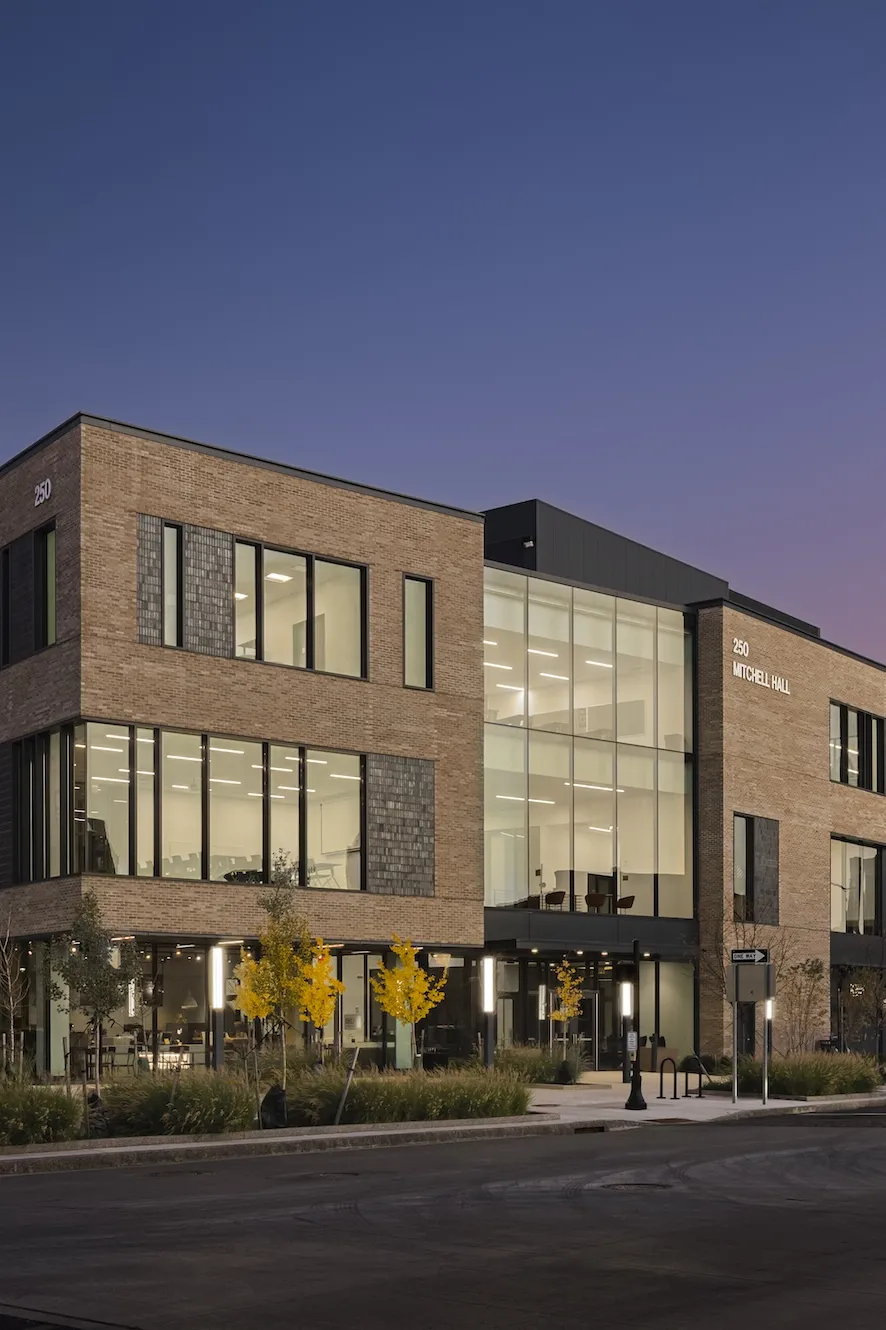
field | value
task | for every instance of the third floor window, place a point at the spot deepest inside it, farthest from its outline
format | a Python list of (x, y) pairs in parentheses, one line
[(296, 609)]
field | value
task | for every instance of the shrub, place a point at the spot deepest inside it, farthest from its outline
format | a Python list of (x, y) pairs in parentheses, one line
[(715, 1064), (541, 1066), (196, 1104), (811, 1074), (417, 1096), (33, 1114)]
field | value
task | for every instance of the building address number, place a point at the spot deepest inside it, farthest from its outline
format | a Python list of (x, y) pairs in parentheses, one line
[(42, 492), (740, 647)]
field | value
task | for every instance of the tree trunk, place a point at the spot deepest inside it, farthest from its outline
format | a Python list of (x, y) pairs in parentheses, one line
[(98, 1057)]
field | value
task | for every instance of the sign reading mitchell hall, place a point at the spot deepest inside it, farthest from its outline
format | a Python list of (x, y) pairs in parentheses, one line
[(777, 682)]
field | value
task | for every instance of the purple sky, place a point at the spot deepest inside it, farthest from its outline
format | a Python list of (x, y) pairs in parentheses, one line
[(626, 257)]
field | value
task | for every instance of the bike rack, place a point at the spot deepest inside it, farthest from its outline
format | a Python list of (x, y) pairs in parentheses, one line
[(700, 1074), (661, 1072)]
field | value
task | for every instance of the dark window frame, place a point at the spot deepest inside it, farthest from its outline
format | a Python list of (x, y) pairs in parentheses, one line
[(748, 898), (25, 827), (879, 883), (177, 527), (310, 606), (871, 759), (42, 639), (430, 598)]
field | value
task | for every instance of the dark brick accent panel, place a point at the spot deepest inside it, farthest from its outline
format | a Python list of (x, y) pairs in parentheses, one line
[(399, 825), (149, 581), (765, 870), (6, 816), (208, 559)]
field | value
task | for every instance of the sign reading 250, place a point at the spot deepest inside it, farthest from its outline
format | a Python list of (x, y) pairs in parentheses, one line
[(42, 492)]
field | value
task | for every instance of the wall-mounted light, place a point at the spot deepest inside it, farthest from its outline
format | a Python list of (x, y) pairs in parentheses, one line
[(217, 978), (487, 969)]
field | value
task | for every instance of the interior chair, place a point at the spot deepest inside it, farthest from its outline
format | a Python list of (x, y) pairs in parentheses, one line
[(625, 903), (596, 900), (554, 900)]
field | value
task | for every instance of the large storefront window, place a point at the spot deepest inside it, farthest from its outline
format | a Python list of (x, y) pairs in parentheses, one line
[(181, 805), (334, 801), (606, 823), (203, 806), (236, 834), (101, 798), (526, 995), (856, 871)]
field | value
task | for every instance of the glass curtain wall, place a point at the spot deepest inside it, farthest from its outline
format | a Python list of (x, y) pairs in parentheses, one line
[(593, 811)]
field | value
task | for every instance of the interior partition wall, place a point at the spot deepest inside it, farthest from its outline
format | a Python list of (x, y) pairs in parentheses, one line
[(588, 753)]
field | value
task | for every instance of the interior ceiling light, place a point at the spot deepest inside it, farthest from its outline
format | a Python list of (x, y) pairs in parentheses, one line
[(277, 577)]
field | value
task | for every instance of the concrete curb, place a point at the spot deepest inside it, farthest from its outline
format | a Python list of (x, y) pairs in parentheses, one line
[(70, 1155)]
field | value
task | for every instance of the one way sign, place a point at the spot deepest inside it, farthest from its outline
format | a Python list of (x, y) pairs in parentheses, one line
[(756, 955)]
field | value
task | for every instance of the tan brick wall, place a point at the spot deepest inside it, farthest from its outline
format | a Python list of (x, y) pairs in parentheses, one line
[(772, 753), (124, 681), (44, 689)]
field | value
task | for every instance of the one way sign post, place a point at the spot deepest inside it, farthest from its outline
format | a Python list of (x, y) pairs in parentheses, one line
[(753, 955)]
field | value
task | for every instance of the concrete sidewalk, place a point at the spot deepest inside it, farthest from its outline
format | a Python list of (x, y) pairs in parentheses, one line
[(555, 1111)]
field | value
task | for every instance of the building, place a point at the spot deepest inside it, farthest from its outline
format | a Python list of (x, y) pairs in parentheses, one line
[(214, 662), (209, 661)]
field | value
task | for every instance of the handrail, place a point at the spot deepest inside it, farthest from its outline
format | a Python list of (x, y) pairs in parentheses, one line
[(661, 1072)]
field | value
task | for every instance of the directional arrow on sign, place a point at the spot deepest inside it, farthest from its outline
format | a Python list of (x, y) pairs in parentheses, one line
[(756, 955)]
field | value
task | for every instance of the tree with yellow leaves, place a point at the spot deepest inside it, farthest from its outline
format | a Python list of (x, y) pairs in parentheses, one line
[(406, 991), (322, 989), (568, 996), (269, 987)]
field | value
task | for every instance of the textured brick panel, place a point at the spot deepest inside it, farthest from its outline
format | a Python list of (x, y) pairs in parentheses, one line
[(399, 825), (765, 870), (149, 580), (207, 557)]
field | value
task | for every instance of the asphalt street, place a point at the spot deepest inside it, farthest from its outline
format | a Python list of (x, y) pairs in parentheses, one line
[(776, 1223)]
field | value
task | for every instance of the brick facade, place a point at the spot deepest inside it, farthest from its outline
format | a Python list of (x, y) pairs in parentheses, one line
[(106, 665), (765, 754)]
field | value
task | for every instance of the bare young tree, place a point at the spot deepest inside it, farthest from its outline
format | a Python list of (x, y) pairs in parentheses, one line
[(13, 983), (803, 1001)]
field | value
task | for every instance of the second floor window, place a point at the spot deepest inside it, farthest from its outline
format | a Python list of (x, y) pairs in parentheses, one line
[(296, 609), (754, 869), (856, 876)]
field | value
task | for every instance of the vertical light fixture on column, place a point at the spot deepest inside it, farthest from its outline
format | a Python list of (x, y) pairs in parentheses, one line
[(217, 1004), (767, 1034), (487, 977)]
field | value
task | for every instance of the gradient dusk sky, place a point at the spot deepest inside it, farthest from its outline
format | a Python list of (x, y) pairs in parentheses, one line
[(628, 256)]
